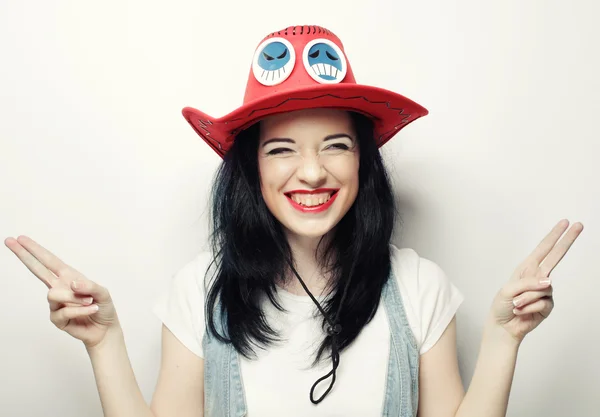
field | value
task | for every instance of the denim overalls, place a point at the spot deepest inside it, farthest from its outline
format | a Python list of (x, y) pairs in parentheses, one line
[(224, 392)]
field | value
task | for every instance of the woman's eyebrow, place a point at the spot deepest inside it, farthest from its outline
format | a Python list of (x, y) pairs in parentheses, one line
[(337, 136), (287, 140)]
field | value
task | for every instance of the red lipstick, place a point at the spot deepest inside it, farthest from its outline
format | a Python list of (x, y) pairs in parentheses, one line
[(313, 209), (317, 191)]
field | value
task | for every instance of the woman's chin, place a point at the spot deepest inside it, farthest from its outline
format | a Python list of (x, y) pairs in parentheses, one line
[(307, 231)]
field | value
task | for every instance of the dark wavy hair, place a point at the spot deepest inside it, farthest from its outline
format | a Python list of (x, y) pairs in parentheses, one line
[(251, 251)]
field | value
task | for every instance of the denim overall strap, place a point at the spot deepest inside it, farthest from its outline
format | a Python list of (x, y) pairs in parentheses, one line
[(223, 389), (402, 385)]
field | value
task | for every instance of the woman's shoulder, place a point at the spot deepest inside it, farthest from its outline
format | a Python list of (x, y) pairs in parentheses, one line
[(200, 262), (418, 274), (430, 297), (196, 271), (180, 306), (403, 258), (408, 263)]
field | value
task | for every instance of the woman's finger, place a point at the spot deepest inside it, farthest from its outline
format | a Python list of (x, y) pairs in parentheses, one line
[(31, 262), (560, 250), (515, 288), (543, 306), (85, 286), (529, 297), (46, 258), (61, 317), (533, 261), (59, 296)]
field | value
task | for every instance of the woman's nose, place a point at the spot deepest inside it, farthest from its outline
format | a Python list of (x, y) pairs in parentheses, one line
[(311, 171)]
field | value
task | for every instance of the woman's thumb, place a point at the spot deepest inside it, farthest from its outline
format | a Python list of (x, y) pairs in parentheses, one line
[(87, 287)]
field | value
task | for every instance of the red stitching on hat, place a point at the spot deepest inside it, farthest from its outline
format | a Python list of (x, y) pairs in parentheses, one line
[(205, 123), (310, 30), (386, 103)]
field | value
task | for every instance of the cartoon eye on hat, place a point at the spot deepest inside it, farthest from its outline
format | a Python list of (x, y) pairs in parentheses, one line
[(324, 61), (273, 61)]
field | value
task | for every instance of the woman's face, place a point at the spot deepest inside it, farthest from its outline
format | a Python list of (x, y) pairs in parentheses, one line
[(308, 162)]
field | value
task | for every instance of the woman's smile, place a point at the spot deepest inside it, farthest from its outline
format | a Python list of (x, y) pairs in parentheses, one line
[(312, 201)]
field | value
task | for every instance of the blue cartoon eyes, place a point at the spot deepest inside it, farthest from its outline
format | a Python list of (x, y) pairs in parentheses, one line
[(275, 58), (273, 61)]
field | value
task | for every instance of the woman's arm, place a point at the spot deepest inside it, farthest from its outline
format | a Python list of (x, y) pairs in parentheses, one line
[(179, 391), (440, 387), (180, 387), (84, 310), (492, 380), (441, 393), (518, 308)]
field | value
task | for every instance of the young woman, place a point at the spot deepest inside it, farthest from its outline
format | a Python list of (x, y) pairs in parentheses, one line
[(303, 306)]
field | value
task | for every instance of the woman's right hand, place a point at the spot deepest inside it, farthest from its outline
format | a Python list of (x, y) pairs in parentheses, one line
[(78, 305)]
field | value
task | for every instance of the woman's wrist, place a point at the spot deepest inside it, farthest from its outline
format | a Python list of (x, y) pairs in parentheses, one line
[(114, 337), (497, 336)]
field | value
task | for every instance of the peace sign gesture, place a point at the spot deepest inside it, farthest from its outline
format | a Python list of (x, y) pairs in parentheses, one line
[(78, 306), (526, 300)]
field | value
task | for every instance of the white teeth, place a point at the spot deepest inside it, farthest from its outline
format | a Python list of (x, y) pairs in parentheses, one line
[(311, 200), (325, 69), (274, 74)]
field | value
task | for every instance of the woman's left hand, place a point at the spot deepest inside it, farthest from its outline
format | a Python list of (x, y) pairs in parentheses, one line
[(526, 300)]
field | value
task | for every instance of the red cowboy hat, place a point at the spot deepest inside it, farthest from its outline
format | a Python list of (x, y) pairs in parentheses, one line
[(304, 67)]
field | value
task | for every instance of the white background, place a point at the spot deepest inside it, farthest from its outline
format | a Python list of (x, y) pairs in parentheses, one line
[(98, 165)]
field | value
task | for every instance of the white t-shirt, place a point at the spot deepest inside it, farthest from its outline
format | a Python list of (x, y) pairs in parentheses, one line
[(281, 378)]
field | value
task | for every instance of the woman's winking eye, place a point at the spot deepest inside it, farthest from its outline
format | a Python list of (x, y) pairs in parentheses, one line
[(278, 151), (338, 146)]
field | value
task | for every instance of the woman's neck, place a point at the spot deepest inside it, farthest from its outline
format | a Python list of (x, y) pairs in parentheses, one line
[(306, 253)]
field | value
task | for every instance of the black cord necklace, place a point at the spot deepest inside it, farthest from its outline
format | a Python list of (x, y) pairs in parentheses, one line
[(333, 330)]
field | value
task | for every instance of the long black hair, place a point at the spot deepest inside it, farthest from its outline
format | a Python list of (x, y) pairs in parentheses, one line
[(251, 251)]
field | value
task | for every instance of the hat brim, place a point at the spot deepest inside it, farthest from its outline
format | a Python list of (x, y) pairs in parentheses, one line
[(390, 111)]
